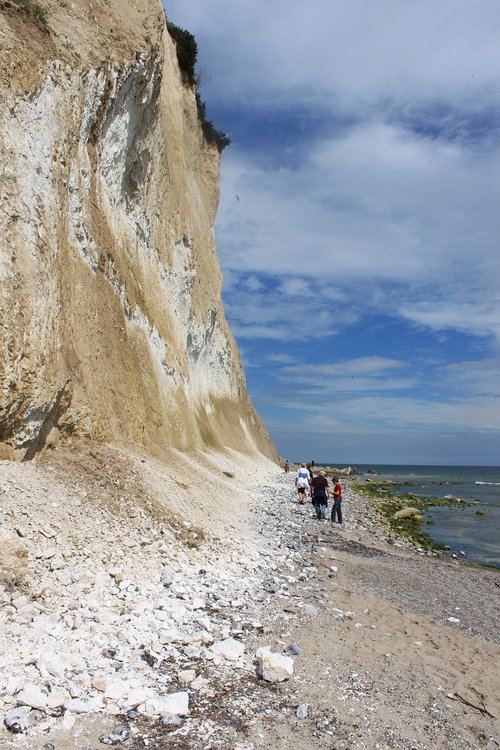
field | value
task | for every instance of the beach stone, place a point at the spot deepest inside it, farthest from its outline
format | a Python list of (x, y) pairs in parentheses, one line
[(80, 706), (14, 684), (116, 736), (172, 721), (53, 665), (273, 667), (310, 609), (172, 704), (302, 711), (294, 649), (406, 513), (136, 697), (33, 697), (230, 649), (116, 689), (68, 722), (186, 676), (453, 620), (166, 580), (17, 719), (56, 699), (200, 683)]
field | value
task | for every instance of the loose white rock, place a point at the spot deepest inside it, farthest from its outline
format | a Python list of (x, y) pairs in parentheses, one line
[(186, 676), (32, 696), (52, 664), (172, 704), (310, 610), (302, 711), (80, 706), (273, 667), (17, 719), (230, 649)]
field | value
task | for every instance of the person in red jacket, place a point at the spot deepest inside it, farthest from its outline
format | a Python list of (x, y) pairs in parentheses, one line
[(337, 500)]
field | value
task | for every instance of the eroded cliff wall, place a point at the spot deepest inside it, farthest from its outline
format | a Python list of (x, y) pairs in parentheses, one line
[(111, 322)]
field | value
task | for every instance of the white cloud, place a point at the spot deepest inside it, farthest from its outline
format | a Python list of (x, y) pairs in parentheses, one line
[(358, 51), (351, 368), (474, 378), (363, 394), (480, 319), (286, 310), (365, 412), (376, 203)]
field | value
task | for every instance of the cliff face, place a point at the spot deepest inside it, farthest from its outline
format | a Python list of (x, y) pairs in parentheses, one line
[(111, 323)]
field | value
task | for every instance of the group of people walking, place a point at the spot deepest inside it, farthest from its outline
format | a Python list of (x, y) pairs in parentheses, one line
[(319, 490)]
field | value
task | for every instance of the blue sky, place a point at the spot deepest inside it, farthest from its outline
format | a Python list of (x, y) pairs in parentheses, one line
[(359, 222)]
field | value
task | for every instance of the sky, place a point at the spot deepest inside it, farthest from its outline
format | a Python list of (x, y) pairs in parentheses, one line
[(359, 220)]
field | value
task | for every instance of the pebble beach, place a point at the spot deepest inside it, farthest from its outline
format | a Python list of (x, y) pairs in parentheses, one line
[(199, 606)]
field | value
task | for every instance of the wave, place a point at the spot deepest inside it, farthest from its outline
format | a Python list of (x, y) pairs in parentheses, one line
[(494, 484)]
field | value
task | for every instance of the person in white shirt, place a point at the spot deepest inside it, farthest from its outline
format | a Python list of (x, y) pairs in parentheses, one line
[(302, 483)]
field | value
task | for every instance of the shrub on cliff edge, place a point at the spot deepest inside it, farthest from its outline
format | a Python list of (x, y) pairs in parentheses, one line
[(187, 55), (210, 132), (187, 50)]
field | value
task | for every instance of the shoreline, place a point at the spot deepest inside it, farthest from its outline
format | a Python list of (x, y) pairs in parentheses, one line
[(387, 497), (168, 594)]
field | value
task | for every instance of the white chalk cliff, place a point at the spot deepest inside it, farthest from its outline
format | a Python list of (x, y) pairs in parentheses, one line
[(111, 321)]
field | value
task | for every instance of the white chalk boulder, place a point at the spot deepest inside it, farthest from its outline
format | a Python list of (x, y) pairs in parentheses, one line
[(230, 649), (273, 667), (171, 704)]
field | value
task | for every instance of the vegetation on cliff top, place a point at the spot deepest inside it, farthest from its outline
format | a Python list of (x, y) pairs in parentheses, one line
[(187, 55)]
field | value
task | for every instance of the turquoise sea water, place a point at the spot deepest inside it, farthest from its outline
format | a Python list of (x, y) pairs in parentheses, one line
[(458, 526)]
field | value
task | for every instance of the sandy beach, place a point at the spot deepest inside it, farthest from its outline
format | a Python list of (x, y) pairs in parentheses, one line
[(133, 574)]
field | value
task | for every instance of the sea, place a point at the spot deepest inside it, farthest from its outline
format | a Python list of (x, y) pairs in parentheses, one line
[(471, 535)]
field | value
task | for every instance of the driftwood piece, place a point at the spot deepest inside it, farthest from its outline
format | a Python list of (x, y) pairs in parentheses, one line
[(482, 708)]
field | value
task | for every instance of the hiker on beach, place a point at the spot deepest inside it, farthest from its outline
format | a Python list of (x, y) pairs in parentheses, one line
[(302, 483), (337, 500), (287, 467), (319, 493)]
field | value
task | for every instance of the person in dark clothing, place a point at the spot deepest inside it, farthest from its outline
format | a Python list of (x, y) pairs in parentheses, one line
[(319, 493)]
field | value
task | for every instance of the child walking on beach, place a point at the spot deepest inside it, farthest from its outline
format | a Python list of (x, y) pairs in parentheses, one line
[(337, 500)]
